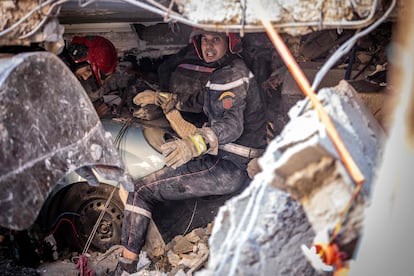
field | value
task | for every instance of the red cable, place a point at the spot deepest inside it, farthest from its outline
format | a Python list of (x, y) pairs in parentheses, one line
[(71, 224)]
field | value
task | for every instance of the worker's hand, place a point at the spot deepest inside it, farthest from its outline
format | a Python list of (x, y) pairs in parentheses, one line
[(101, 108), (162, 99), (180, 151), (148, 113)]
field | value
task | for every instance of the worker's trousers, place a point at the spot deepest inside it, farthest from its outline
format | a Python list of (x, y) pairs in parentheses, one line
[(209, 175)]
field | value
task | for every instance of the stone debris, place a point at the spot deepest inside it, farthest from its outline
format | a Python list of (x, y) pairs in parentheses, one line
[(186, 253), (183, 256), (301, 191)]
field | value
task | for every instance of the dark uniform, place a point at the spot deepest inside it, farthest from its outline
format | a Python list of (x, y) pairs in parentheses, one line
[(234, 107), (186, 75)]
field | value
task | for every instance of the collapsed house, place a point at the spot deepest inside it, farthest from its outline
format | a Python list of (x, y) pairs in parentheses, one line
[(302, 194)]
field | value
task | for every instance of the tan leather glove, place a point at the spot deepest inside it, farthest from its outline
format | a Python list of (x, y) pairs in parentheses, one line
[(165, 100), (145, 97), (101, 108), (180, 151), (150, 112)]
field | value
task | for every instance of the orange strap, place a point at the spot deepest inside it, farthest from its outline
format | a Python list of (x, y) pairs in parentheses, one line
[(306, 88), (330, 255)]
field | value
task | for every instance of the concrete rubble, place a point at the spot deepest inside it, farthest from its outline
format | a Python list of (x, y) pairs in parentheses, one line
[(18, 28), (300, 192), (182, 256)]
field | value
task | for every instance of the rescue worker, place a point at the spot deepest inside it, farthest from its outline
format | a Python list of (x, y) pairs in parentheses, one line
[(211, 160), (93, 60)]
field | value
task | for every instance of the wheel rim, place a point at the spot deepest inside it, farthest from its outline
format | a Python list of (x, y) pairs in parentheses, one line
[(108, 232)]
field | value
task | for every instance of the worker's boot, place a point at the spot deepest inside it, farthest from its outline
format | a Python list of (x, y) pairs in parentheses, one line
[(125, 266)]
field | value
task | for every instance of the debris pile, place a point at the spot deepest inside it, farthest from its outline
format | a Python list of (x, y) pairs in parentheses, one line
[(301, 192), (183, 255)]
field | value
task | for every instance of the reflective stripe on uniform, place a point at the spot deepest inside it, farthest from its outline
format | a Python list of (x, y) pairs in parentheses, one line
[(198, 68), (138, 210), (229, 85), (244, 151)]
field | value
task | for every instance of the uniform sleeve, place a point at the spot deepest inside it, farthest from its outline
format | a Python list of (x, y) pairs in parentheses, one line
[(226, 102)]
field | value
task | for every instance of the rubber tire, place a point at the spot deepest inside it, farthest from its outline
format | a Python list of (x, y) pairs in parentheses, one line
[(88, 201)]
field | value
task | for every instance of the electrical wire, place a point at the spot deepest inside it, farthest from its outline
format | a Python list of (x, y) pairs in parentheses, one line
[(172, 2), (68, 221), (163, 11), (169, 14), (300, 78), (348, 46), (61, 215), (120, 141), (45, 18), (192, 217), (83, 3)]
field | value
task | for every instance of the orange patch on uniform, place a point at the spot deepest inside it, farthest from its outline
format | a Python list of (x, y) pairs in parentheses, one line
[(227, 103), (227, 99)]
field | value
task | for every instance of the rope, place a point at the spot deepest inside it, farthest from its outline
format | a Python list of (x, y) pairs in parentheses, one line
[(83, 260), (192, 217), (82, 265)]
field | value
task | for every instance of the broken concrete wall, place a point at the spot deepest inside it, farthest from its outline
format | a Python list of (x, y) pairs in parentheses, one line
[(258, 233), (310, 167), (300, 192), (301, 14), (25, 21)]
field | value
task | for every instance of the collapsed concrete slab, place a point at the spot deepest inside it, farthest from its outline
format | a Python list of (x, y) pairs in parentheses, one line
[(286, 15), (49, 128), (301, 191), (258, 233)]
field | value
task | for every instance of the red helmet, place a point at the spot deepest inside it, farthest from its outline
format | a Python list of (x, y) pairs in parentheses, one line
[(98, 52), (235, 45)]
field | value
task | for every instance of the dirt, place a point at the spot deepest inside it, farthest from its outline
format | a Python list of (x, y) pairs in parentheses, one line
[(9, 266), (18, 256)]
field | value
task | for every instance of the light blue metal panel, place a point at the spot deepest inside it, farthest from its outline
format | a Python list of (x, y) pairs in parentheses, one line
[(139, 157)]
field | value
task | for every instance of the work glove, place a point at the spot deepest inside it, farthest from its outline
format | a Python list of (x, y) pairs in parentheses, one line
[(182, 127), (102, 109), (180, 151), (163, 99), (148, 113)]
